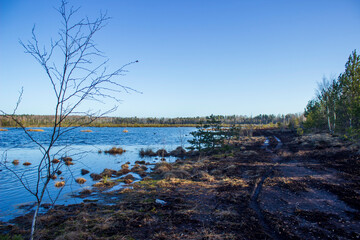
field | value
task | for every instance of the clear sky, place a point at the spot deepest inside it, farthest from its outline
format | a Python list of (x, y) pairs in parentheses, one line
[(196, 57)]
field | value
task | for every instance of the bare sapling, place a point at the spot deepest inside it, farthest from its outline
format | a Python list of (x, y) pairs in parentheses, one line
[(80, 75)]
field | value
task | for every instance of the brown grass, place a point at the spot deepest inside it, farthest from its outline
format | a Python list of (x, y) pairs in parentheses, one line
[(125, 166), (176, 174), (162, 167), (86, 192), (26, 163), (129, 177), (60, 184), (80, 180), (15, 162), (115, 150), (86, 130), (67, 159), (128, 181), (123, 171), (34, 130), (147, 152), (55, 161), (235, 182), (3, 130), (68, 163)]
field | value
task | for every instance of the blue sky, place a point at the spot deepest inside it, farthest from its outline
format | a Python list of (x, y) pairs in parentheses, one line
[(196, 58)]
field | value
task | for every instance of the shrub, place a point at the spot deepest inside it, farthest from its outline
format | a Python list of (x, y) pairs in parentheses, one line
[(300, 131)]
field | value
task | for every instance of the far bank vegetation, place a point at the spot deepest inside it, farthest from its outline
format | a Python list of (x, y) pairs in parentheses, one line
[(47, 121)]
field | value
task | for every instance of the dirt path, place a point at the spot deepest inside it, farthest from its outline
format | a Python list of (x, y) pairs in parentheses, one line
[(254, 200), (293, 200)]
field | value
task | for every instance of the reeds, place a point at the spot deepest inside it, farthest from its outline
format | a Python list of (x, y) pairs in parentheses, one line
[(147, 152)]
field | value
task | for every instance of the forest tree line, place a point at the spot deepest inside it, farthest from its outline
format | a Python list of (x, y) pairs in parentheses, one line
[(336, 106), (47, 121)]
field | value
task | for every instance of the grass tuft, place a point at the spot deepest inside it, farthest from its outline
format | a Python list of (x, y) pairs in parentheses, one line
[(60, 184)]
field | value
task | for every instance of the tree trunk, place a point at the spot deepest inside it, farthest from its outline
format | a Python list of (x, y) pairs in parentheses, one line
[(328, 117), (34, 221), (334, 124)]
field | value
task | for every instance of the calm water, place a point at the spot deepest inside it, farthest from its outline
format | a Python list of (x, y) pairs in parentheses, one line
[(83, 147)]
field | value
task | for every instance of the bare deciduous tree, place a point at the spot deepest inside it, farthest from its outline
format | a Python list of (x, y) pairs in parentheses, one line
[(78, 72)]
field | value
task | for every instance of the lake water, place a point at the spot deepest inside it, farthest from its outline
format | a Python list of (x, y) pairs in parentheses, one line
[(83, 147)]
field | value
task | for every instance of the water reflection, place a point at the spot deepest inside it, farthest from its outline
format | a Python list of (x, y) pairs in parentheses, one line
[(83, 147)]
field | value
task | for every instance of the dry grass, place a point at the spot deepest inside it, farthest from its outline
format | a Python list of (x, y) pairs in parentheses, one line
[(105, 182), (80, 180), (3, 130), (68, 163), (115, 150), (55, 161), (128, 181), (235, 182), (162, 167), (35, 130), (99, 184), (86, 130), (122, 172), (138, 169), (60, 184), (147, 152), (86, 192), (125, 166), (126, 190), (203, 176), (15, 162), (176, 174)]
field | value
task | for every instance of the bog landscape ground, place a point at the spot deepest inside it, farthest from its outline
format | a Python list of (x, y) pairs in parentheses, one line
[(273, 185)]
